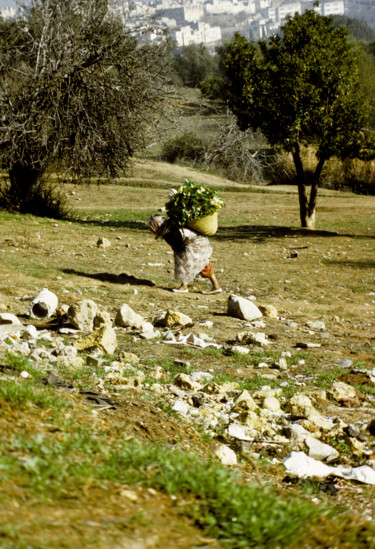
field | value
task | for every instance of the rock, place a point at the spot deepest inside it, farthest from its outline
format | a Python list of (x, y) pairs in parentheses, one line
[(104, 339), (44, 304), (320, 451), (159, 373), (103, 242), (102, 318), (185, 382), (281, 364), (9, 318), (317, 325), (256, 424), (295, 432), (242, 308), (341, 391), (240, 350), (244, 403), (225, 455), (181, 407), (175, 318), (124, 356), (201, 377), (238, 431), (269, 311), (371, 427), (212, 388), (252, 338), (271, 403), (300, 406), (82, 315), (127, 318)]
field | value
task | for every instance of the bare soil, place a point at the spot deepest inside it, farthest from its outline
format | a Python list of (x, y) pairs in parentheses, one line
[(326, 274)]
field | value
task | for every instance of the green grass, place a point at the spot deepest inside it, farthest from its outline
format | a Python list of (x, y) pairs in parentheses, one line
[(21, 393)]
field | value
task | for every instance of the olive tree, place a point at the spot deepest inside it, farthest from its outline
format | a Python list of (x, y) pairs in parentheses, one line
[(300, 88), (78, 90)]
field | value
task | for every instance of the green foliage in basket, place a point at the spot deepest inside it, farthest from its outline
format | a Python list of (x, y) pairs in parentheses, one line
[(191, 201)]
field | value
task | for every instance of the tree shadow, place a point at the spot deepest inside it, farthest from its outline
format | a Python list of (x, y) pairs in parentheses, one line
[(122, 278), (260, 233), (135, 225), (351, 263)]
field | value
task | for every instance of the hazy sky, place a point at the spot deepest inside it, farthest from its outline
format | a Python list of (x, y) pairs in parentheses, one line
[(7, 4)]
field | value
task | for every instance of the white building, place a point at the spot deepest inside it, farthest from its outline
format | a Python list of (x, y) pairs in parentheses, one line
[(202, 33), (336, 7)]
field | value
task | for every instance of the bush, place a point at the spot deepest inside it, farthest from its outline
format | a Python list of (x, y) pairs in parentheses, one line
[(354, 175), (186, 147), (47, 201)]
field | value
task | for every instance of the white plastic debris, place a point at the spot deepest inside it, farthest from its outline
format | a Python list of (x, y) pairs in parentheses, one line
[(298, 463), (189, 339), (44, 304)]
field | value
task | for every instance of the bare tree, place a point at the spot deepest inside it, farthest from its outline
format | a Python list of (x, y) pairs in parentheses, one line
[(239, 155), (77, 93)]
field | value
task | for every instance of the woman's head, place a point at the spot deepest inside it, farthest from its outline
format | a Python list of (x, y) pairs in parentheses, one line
[(155, 223)]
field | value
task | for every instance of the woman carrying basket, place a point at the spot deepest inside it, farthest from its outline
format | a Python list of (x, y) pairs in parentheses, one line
[(191, 217), (191, 253)]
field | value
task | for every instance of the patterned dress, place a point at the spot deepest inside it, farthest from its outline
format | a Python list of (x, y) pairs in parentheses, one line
[(194, 258)]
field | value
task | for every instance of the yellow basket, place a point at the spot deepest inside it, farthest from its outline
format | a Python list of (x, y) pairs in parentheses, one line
[(205, 225)]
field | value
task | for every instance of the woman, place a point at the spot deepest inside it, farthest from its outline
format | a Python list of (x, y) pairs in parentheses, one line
[(191, 253)]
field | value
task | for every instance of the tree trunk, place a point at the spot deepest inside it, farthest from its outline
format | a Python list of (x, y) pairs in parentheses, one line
[(303, 202), (24, 184)]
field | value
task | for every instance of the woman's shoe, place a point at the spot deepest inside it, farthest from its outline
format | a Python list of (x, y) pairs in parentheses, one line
[(217, 291), (180, 291)]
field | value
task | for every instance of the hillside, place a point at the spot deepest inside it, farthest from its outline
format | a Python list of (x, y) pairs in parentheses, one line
[(119, 448)]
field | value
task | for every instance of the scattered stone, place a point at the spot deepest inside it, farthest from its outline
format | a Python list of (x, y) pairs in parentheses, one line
[(132, 358), (185, 382), (181, 407), (242, 308), (253, 338), (238, 432), (175, 318), (82, 315), (225, 455), (9, 318), (342, 392), (295, 432), (320, 451), (212, 388), (317, 325), (240, 350), (244, 402), (127, 318), (103, 242), (269, 311), (104, 339), (272, 404)]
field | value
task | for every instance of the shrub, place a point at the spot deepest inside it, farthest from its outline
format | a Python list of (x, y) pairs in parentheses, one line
[(185, 147), (46, 201)]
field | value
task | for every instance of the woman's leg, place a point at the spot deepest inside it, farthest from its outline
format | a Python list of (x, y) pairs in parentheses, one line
[(208, 272)]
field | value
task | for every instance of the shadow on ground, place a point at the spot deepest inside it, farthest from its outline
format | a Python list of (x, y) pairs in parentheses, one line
[(122, 278), (260, 233)]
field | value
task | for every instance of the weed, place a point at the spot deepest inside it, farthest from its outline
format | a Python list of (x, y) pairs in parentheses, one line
[(25, 393)]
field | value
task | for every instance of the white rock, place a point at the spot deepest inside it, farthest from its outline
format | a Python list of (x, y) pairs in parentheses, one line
[(126, 317), (320, 451), (240, 350), (8, 318), (181, 407), (341, 391), (238, 431), (82, 315), (242, 308), (225, 455)]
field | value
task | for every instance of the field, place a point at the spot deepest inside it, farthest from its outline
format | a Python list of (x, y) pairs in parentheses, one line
[(77, 476)]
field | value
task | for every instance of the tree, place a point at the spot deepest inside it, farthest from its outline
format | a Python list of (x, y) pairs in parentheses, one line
[(77, 93), (195, 64), (301, 89)]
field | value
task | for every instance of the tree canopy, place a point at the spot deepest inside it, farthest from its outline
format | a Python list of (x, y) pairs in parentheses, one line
[(77, 93), (301, 88)]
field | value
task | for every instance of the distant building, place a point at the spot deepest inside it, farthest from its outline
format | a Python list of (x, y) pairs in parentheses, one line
[(201, 33)]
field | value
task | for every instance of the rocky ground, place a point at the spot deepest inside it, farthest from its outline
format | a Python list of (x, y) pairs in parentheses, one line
[(280, 365)]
